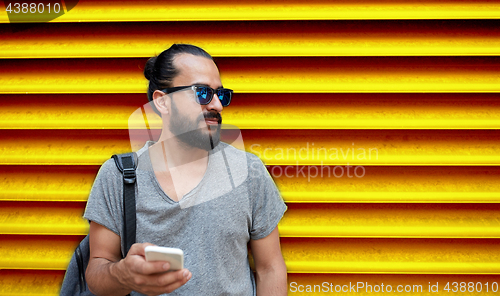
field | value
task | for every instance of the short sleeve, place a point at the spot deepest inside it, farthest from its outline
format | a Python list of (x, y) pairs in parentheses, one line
[(267, 205), (104, 205)]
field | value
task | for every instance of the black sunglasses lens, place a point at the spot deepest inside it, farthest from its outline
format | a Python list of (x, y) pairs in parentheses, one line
[(224, 96), (204, 95)]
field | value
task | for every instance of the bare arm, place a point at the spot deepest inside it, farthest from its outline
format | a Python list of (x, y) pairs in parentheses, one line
[(269, 265), (108, 274)]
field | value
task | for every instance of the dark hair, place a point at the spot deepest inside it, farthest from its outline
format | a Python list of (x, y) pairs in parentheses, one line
[(160, 70)]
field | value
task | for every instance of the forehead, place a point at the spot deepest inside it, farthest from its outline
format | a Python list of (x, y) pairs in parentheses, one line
[(196, 70)]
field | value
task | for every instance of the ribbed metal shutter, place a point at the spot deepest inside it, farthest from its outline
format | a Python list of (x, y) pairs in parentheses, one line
[(403, 92)]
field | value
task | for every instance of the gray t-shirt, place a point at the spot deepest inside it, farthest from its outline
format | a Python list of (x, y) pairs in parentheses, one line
[(236, 201)]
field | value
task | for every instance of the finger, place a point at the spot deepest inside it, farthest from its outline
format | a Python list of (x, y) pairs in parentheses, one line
[(148, 268), (160, 283), (172, 277), (182, 277)]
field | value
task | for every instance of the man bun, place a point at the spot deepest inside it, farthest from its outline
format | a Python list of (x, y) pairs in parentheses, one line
[(149, 68)]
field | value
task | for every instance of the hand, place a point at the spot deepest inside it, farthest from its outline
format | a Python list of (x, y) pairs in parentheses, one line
[(150, 278)]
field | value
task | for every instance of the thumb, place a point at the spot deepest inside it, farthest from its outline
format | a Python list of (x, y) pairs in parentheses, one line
[(138, 249)]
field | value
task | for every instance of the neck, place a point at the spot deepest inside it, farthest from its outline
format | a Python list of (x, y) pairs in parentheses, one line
[(170, 152)]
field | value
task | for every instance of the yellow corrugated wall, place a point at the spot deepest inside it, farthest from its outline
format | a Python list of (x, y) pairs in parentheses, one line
[(378, 120)]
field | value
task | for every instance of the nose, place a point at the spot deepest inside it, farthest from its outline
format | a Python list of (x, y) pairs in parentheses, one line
[(215, 104)]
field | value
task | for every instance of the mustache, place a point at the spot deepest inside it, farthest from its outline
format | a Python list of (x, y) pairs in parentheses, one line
[(211, 115)]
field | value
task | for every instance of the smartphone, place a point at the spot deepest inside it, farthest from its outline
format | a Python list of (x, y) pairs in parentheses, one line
[(172, 255)]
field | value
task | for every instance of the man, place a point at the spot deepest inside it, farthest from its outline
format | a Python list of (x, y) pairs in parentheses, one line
[(193, 193)]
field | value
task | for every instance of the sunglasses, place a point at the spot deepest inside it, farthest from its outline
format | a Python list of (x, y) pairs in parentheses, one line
[(205, 94)]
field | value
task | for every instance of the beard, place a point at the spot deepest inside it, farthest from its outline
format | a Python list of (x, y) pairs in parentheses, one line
[(189, 132)]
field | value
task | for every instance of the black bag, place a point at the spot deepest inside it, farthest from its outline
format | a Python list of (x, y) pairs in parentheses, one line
[(74, 282)]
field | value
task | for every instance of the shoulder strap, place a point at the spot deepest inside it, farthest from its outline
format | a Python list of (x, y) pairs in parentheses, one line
[(127, 164)]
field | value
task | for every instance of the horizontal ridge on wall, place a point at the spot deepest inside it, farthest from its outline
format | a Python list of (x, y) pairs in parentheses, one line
[(36, 282), (265, 111), (132, 11), (300, 220), (30, 282), (263, 38), (297, 184), (43, 218), (264, 75), (274, 147), (304, 255), (391, 220), (410, 256)]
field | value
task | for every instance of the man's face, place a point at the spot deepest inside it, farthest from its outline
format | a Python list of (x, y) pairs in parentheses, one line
[(194, 124), (189, 131)]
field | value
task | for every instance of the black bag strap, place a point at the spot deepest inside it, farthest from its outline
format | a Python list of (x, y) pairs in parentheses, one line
[(81, 269), (127, 163)]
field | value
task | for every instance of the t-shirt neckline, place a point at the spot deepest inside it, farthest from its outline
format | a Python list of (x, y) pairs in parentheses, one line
[(157, 185)]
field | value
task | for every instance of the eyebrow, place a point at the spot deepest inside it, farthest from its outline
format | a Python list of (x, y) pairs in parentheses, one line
[(203, 84)]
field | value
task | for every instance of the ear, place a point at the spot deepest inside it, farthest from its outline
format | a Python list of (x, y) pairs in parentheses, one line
[(162, 102)]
